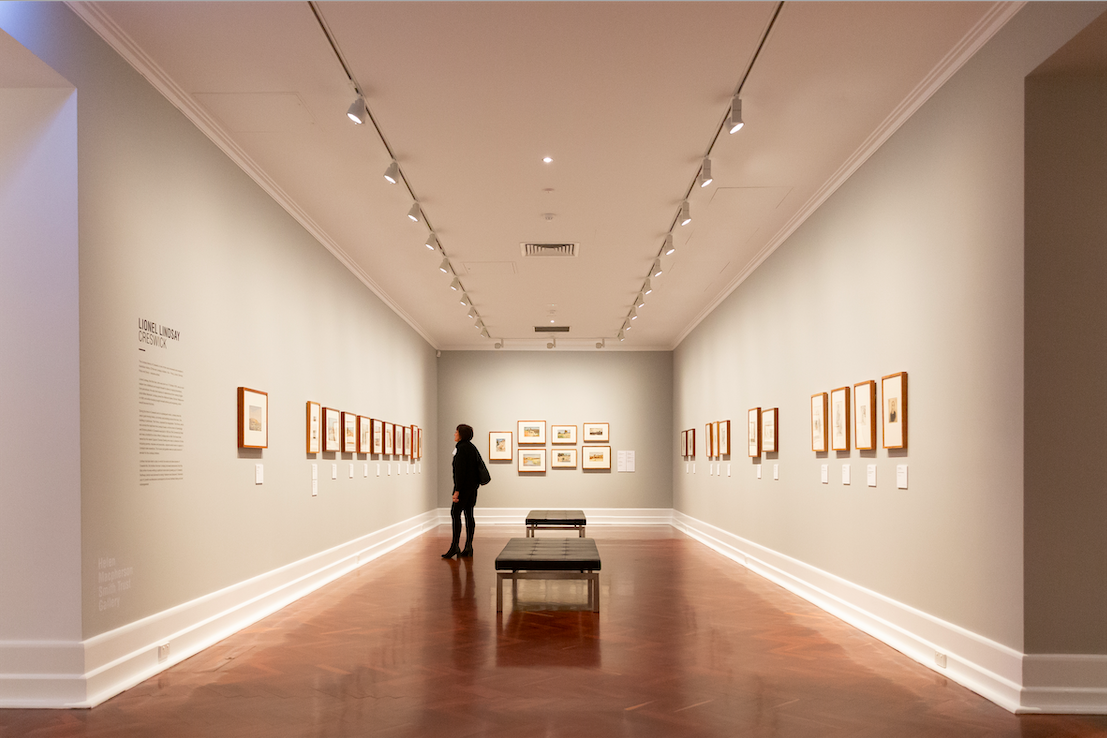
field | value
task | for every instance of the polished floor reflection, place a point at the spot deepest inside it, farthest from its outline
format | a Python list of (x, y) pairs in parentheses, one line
[(687, 643)]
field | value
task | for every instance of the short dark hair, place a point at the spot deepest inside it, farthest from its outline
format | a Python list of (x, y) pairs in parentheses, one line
[(465, 432)]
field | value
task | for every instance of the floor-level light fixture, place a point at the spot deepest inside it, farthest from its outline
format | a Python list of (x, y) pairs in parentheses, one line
[(705, 172), (392, 174), (414, 213), (736, 115), (669, 248), (432, 242), (656, 271), (356, 113), (685, 213)]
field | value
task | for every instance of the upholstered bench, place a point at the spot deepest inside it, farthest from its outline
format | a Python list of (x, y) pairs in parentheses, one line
[(549, 558), (555, 520)]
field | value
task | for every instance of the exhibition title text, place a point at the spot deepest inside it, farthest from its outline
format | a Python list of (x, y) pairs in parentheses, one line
[(156, 335)]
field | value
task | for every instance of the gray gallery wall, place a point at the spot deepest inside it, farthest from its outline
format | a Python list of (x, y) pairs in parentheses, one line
[(1066, 352), (492, 390), (916, 265), (172, 231)]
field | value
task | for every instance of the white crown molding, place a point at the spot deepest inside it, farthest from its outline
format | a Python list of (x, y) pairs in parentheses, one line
[(94, 15), (996, 17)]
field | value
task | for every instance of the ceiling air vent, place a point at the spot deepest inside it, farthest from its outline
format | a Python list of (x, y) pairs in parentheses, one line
[(549, 249), (551, 329)]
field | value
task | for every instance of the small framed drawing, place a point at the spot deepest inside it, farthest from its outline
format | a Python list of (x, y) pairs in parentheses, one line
[(364, 428), (377, 442), (566, 434), (532, 460), (418, 433), (253, 418), (563, 458), (839, 419), (769, 430), (597, 433), (692, 442), (349, 433), (708, 451), (864, 427), (313, 413), (499, 446), (818, 422), (893, 392), (597, 457), (408, 438), (414, 442), (389, 438), (753, 432), (724, 438), (532, 431), (715, 438), (684, 443), (332, 430)]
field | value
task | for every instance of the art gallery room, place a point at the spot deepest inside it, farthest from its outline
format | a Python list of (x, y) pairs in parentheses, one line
[(780, 329)]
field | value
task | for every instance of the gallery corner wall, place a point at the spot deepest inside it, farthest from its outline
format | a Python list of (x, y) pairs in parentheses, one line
[(629, 390), (192, 282), (914, 265)]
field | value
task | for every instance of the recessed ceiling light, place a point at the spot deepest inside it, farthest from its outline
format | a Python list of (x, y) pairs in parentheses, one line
[(547, 159)]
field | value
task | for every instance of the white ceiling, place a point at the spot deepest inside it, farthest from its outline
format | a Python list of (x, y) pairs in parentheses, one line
[(626, 97)]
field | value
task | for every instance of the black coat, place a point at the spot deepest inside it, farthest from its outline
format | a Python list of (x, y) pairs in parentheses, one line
[(467, 463)]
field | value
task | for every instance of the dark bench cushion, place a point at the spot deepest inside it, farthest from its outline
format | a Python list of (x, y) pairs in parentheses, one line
[(556, 517), (549, 554)]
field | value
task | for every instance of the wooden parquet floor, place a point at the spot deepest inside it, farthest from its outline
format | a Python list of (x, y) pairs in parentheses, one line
[(687, 643)]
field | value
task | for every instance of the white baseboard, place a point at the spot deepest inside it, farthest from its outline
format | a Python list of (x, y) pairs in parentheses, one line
[(1064, 684), (84, 674)]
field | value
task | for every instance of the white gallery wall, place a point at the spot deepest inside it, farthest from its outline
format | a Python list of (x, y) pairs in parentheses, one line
[(915, 265), (174, 529)]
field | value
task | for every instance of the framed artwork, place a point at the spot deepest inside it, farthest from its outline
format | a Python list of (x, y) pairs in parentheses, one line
[(532, 460), (408, 439), (692, 442), (332, 430), (563, 458), (684, 443), (597, 433), (566, 434), (724, 438), (839, 419), (417, 432), (532, 431), (893, 392), (707, 441), (377, 437), (389, 438), (715, 438), (364, 428), (253, 418), (349, 433), (499, 446), (313, 414), (864, 427), (769, 430), (753, 432), (818, 422), (596, 457)]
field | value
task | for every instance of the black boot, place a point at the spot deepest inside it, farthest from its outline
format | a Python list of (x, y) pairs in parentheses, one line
[(468, 552), (452, 552)]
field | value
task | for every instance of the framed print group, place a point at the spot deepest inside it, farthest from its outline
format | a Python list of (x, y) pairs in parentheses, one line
[(818, 422), (313, 413), (893, 393), (769, 430), (597, 433), (332, 430), (349, 433), (753, 432), (364, 428), (377, 442), (532, 431), (596, 457), (563, 458), (499, 446), (253, 418), (839, 419), (566, 434), (532, 459)]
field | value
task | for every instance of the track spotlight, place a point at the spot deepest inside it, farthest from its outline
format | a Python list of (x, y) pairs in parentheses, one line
[(392, 174), (552, 344), (685, 213), (356, 113), (646, 289), (499, 344), (472, 312), (640, 301), (736, 115), (622, 336), (414, 213), (633, 313), (626, 325), (432, 242), (479, 324), (455, 285), (656, 271), (601, 343), (484, 333), (444, 267), (465, 301), (669, 248), (705, 172)]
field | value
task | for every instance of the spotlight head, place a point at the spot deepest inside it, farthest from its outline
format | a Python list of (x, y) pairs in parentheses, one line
[(656, 271), (601, 343), (552, 344), (356, 112), (640, 301), (432, 242), (465, 301), (499, 344), (705, 172), (685, 213), (622, 336), (444, 267), (414, 213), (484, 333), (669, 248), (392, 174), (480, 324), (736, 115), (472, 312), (455, 285), (646, 289)]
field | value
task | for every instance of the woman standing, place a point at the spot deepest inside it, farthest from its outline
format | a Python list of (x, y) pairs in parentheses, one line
[(467, 464)]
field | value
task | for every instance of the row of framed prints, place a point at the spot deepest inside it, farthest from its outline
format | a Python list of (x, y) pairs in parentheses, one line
[(893, 411), (330, 430), (533, 432), (533, 460)]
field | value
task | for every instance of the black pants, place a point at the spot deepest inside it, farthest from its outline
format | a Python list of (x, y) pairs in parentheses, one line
[(456, 509)]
